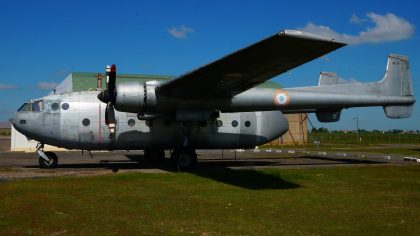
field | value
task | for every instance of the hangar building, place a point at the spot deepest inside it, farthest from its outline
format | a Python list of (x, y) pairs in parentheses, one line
[(84, 81)]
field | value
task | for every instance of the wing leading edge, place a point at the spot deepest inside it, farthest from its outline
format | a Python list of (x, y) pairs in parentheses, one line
[(250, 66)]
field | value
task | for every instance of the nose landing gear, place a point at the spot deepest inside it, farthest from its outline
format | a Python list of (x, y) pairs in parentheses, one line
[(47, 160)]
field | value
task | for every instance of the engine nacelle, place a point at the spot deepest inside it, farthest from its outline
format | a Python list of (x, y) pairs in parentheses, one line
[(136, 97)]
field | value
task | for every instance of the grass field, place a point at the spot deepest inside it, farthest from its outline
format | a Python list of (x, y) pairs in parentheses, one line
[(364, 138), (5, 131), (340, 201), (378, 149), (401, 149)]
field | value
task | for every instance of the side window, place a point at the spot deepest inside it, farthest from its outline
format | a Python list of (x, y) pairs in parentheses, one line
[(131, 122), (65, 106), (52, 106), (86, 122), (55, 106)]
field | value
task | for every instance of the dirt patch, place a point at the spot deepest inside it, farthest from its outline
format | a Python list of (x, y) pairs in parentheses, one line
[(4, 143)]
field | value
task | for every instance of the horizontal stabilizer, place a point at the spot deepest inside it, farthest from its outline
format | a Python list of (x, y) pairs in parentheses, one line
[(397, 112)]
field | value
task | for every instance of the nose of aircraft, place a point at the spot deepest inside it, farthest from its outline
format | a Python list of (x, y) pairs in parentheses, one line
[(18, 122), (13, 119)]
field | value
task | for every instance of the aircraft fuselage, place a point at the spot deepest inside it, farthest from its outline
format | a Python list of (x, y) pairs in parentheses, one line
[(76, 121)]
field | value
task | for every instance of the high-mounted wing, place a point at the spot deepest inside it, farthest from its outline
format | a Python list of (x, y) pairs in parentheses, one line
[(250, 66)]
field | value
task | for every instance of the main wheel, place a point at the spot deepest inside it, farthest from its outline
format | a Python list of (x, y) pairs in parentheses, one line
[(154, 155), (51, 163), (184, 159)]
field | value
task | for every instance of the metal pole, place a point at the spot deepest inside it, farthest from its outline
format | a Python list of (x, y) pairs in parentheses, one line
[(357, 128)]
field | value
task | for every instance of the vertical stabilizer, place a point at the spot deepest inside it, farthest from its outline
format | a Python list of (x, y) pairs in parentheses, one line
[(328, 78), (397, 82)]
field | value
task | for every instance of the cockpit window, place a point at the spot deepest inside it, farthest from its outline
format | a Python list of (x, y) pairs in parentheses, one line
[(25, 107), (35, 106)]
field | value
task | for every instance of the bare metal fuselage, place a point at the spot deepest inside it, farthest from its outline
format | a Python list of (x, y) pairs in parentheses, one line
[(76, 121)]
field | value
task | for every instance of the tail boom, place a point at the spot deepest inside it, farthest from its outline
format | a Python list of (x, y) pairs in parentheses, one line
[(394, 92)]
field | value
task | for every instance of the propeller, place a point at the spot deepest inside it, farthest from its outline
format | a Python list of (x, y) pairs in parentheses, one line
[(108, 96)]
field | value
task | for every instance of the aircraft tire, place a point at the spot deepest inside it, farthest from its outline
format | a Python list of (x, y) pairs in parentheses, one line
[(154, 155), (184, 159), (51, 164)]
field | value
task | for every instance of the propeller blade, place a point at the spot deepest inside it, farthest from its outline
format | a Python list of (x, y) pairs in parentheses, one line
[(106, 115), (111, 84), (110, 119), (109, 94)]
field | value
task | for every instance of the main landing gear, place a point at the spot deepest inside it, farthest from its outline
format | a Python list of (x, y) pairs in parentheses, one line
[(181, 158), (184, 159), (47, 160)]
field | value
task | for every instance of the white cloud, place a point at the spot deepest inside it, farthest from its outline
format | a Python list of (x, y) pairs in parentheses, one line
[(387, 28), (7, 86), (356, 20), (180, 32), (46, 85)]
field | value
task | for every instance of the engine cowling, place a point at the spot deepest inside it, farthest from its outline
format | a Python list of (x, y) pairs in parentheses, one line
[(136, 97)]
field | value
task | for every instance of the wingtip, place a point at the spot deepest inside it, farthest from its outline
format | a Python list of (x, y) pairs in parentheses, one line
[(307, 35)]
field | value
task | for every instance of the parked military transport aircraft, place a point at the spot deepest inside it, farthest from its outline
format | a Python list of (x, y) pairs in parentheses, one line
[(215, 106)]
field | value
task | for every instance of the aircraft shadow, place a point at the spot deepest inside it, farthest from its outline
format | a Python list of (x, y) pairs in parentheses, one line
[(243, 175), (344, 160), (245, 178), (217, 170)]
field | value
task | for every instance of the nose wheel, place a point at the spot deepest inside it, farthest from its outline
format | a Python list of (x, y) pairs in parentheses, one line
[(47, 160)]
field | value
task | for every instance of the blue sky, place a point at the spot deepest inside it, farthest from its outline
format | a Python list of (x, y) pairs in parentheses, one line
[(43, 41)]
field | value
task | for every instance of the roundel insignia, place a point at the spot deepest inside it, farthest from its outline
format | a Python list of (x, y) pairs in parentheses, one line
[(281, 98)]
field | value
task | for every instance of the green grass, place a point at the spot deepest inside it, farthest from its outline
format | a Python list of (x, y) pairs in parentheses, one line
[(383, 150), (5, 131), (409, 150), (350, 201), (369, 138)]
